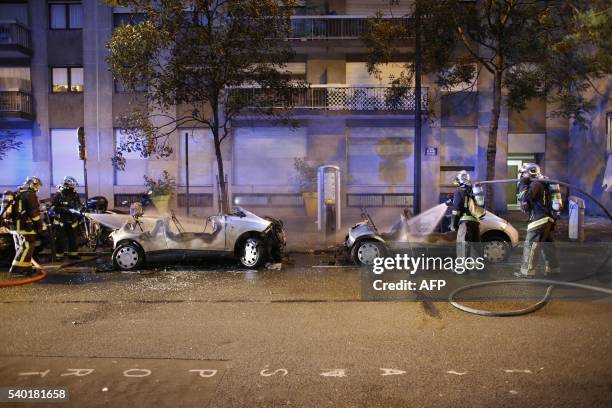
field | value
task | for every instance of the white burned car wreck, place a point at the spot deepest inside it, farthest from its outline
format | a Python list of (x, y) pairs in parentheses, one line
[(251, 239), (364, 242)]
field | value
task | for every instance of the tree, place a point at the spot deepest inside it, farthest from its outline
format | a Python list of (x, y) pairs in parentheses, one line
[(8, 141), (197, 53), (532, 49)]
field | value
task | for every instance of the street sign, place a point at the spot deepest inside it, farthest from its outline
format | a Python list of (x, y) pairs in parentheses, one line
[(431, 151)]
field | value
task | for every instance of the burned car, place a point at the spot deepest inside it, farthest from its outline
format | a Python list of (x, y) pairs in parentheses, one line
[(251, 239), (7, 247), (429, 230)]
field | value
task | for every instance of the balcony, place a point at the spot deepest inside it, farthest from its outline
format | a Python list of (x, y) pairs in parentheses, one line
[(333, 98), (16, 105), (332, 27), (15, 40)]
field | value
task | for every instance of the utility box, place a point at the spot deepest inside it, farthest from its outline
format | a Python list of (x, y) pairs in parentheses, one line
[(328, 208), (576, 219)]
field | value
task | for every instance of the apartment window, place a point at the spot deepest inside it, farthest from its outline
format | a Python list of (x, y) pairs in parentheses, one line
[(380, 156), (128, 18), (65, 155), (67, 79), (17, 164), (136, 166), (201, 157), (65, 16), (460, 109)]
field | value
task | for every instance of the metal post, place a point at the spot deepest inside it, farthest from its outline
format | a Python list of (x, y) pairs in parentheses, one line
[(187, 171), (85, 180), (416, 201)]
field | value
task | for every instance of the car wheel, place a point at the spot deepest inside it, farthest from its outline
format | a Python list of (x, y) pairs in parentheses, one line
[(253, 253), (364, 252), (497, 250), (128, 257)]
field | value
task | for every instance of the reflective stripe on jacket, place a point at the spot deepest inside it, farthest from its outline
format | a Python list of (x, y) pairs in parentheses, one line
[(538, 223)]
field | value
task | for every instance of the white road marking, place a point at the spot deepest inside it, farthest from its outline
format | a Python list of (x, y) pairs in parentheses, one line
[(456, 372), (205, 373), (78, 372), (268, 373), (391, 371), (143, 372), (519, 371), (513, 392), (338, 372), (41, 373)]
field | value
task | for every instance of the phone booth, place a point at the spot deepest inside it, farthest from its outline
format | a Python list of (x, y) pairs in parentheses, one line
[(328, 206)]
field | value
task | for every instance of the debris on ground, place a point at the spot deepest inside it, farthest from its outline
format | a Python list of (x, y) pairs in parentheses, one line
[(274, 266)]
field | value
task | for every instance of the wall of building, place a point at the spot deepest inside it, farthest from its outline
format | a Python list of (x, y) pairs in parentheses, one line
[(589, 150), (373, 149)]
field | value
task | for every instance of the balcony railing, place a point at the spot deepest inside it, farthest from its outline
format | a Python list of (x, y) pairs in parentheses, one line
[(13, 34), (16, 103), (332, 27), (332, 98)]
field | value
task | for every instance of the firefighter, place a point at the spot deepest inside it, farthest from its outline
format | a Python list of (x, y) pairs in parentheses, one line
[(542, 201), (65, 206), (27, 224), (466, 215)]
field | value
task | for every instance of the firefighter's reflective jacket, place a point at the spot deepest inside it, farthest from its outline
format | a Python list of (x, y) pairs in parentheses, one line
[(26, 214), (464, 207), (537, 201), (64, 201)]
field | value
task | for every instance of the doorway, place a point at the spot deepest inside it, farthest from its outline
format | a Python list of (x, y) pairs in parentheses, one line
[(515, 161)]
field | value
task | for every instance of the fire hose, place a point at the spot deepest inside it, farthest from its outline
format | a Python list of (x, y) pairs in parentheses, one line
[(43, 274), (551, 283)]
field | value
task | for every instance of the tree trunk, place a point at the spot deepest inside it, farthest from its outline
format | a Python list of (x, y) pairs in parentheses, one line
[(492, 142), (223, 198)]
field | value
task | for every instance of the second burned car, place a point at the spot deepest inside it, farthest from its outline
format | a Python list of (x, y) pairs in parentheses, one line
[(364, 242)]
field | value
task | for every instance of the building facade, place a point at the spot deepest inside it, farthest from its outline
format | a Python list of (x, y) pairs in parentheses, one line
[(54, 78)]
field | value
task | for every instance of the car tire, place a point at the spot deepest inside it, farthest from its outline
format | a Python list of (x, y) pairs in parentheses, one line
[(252, 253), (364, 252), (128, 256), (495, 249)]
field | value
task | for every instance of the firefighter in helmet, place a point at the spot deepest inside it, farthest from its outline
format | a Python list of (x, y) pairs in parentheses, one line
[(466, 215), (27, 225), (542, 201), (65, 206)]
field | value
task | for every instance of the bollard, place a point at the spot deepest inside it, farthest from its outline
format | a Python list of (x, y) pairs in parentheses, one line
[(576, 219)]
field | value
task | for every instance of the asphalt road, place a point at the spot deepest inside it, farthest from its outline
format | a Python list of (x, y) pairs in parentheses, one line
[(220, 336)]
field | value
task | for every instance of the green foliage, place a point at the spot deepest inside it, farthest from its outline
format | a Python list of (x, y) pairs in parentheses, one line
[(195, 53), (306, 175), (532, 49), (552, 50), (166, 185)]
